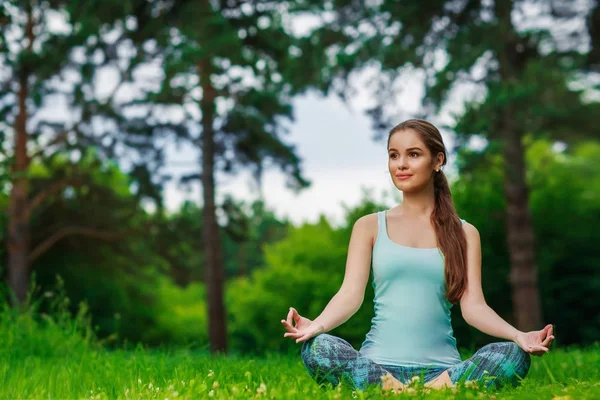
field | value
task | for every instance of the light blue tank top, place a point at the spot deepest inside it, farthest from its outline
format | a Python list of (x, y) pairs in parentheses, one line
[(411, 326)]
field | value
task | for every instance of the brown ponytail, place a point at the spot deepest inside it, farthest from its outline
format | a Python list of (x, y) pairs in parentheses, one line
[(448, 227)]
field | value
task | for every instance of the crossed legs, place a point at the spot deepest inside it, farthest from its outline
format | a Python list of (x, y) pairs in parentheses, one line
[(330, 359)]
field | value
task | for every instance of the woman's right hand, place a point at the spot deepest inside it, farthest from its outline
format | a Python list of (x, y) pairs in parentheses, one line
[(304, 328)]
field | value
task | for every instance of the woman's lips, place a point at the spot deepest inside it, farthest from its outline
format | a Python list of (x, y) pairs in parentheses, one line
[(403, 177)]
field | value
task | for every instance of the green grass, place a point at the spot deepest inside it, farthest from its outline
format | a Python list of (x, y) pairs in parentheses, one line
[(99, 374), (57, 357)]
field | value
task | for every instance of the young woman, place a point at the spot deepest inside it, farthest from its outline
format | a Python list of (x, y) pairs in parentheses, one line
[(425, 259)]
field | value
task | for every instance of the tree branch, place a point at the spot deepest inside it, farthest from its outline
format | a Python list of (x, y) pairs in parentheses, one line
[(54, 188), (74, 230), (62, 137)]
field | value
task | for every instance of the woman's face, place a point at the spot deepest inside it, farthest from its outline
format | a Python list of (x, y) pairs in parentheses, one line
[(410, 162)]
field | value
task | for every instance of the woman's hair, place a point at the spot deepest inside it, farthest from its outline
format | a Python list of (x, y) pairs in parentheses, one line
[(448, 227)]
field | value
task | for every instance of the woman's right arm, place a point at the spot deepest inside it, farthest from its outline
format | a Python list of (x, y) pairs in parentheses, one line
[(349, 298), (352, 292)]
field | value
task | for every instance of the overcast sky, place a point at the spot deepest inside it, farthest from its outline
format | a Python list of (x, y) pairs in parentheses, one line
[(339, 156)]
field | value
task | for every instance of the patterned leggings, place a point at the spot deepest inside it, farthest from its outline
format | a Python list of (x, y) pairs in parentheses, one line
[(330, 359)]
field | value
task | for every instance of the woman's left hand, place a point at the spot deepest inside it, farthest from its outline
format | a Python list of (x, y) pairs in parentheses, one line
[(536, 342)]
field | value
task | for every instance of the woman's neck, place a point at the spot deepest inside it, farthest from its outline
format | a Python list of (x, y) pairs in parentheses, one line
[(418, 204)]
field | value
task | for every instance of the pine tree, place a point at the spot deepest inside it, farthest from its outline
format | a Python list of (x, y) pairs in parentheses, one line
[(525, 79), (234, 66), (52, 103)]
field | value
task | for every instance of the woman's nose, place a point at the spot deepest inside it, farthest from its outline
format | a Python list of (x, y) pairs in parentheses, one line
[(402, 163)]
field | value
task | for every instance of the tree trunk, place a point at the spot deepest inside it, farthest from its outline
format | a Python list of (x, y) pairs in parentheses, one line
[(213, 258), (242, 257), (521, 240), (520, 237), (18, 225)]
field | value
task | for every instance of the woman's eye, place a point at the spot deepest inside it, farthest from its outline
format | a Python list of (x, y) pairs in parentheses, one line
[(415, 154), (393, 156)]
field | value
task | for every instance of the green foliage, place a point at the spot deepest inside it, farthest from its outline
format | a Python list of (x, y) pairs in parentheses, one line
[(75, 42), (106, 263), (248, 228), (304, 270), (242, 51), (479, 200), (566, 210), (564, 202), (177, 239), (91, 372), (535, 74), (143, 283), (127, 284), (179, 315), (45, 328), (547, 101), (4, 204)]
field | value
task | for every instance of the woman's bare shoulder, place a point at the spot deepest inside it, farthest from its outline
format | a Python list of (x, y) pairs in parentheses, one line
[(471, 231), (367, 225)]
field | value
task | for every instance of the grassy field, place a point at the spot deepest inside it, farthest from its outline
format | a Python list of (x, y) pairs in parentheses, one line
[(137, 374), (58, 358)]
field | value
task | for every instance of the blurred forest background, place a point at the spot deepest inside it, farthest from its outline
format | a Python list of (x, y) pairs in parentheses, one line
[(82, 191)]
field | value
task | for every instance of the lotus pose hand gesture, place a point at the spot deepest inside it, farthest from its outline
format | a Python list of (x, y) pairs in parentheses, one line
[(536, 342), (304, 328)]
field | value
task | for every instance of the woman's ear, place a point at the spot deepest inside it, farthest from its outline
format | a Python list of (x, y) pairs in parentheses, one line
[(439, 161)]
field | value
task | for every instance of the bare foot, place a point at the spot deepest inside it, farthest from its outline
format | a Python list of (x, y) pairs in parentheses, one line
[(391, 383), (440, 381)]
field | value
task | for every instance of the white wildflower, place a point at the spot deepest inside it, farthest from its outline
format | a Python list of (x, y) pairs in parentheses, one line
[(471, 384), (262, 389)]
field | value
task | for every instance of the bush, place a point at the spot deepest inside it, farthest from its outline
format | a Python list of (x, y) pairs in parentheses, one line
[(179, 315), (304, 270), (45, 327)]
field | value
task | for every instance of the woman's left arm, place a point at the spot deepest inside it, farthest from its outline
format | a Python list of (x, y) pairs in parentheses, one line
[(479, 315)]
